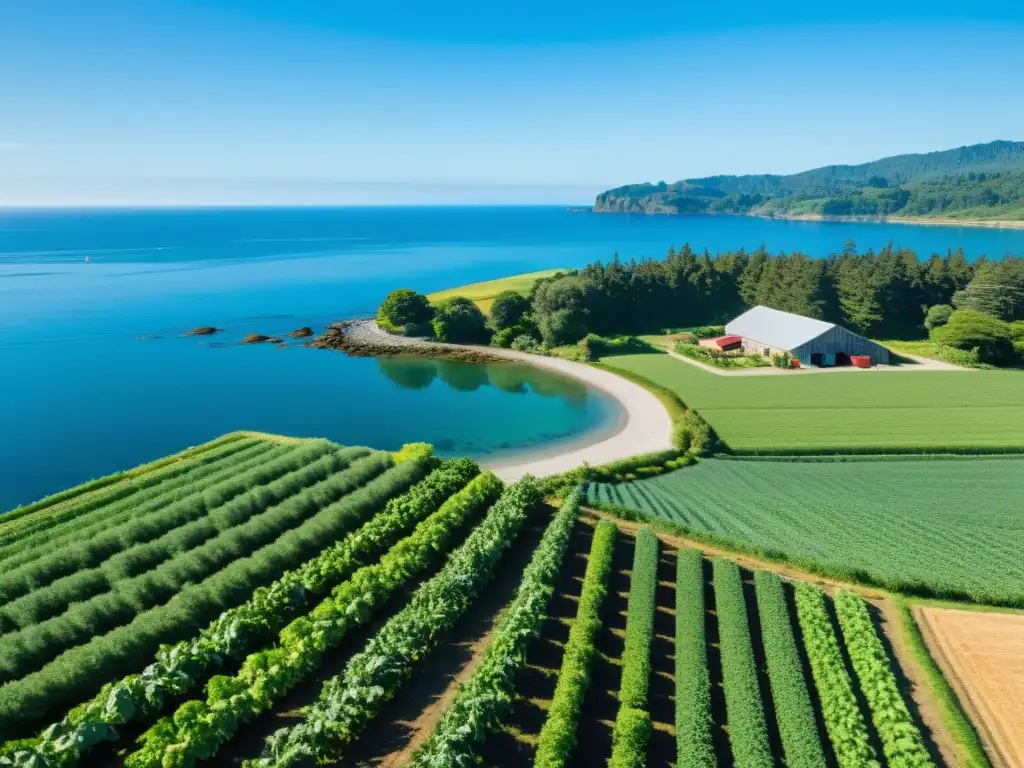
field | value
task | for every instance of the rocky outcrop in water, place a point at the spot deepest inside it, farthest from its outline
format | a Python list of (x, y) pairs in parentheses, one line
[(257, 338)]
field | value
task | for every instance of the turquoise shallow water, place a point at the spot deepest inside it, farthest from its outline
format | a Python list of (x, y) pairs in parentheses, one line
[(81, 394)]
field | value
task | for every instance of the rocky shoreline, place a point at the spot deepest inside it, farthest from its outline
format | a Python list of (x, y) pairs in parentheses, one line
[(363, 338)]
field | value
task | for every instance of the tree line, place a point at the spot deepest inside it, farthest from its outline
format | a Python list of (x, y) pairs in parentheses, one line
[(882, 294)]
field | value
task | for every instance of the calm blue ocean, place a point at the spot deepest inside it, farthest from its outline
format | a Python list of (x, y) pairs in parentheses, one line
[(94, 376)]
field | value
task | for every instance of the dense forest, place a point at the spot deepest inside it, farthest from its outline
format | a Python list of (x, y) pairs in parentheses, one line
[(983, 181), (881, 294)]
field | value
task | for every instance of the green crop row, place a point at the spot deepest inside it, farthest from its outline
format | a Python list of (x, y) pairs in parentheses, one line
[(348, 702), (11, 521), (87, 554), (166, 534), (844, 721), (916, 542), (558, 736), (748, 732), (241, 532), (793, 709), (80, 672), (633, 723), (200, 728), (170, 530), (693, 680), (101, 520), (29, 531), (179, 669), (489, 692), (901, 740)]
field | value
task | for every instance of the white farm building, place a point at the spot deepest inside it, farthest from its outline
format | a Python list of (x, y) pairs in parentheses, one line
[(767, 331)]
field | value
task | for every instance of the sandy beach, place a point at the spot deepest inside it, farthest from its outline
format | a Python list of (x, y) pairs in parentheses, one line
[(643, 427), (934, 222)]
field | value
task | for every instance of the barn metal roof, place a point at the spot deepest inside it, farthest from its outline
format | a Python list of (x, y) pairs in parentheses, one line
[(782, 330)]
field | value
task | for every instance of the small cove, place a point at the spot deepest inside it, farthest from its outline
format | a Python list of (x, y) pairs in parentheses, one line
[(157, 397)]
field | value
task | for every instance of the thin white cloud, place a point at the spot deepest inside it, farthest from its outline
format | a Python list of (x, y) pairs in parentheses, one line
[(12, 146)]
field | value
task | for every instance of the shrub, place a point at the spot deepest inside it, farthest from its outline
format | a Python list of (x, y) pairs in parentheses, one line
[(574, 352), (691, 433), (506, 336), (459, 321), (403, 311), (507, 310), (937, 316), (526, 343), (782, 360), (968, 329)]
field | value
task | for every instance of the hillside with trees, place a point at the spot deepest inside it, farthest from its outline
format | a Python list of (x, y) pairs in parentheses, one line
[(979, 182)]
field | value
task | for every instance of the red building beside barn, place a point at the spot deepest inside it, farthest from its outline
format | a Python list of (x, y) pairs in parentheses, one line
[(723, 343)]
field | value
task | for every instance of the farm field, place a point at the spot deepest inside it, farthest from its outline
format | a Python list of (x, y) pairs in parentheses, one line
[(849, 412), (93, 589), (736, 673), (274, 603), (983, 655), (483, 294), (947, 527)]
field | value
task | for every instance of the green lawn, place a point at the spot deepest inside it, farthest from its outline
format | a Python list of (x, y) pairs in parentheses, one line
[(937, 526), (482, 294), (847, 411)]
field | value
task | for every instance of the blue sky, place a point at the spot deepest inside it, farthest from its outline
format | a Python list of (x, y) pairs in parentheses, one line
[(160, 102)]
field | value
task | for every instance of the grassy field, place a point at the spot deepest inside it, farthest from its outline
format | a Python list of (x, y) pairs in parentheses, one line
[(946, 527), (847, 412), (483, 293)]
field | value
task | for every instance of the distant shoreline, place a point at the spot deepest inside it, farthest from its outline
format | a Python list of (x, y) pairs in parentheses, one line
[(937, 222)]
